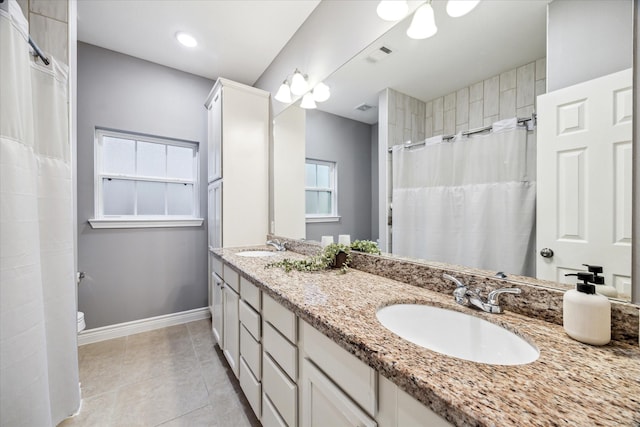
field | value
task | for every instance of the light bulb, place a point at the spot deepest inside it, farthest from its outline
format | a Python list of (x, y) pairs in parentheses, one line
[(307, 101), (423, 24), (299, 83), (186, 39), (392, 10), (284, 93), (321, 92), (457, 8)]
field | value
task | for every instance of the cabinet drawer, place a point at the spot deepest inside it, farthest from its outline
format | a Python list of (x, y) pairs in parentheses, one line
[(250, 293), (270, 416), (251, 351), (251, 387), (216, 266), (280, 389), (231, 278), (282, 351), (250, 319), (352, 375), (281, 318)]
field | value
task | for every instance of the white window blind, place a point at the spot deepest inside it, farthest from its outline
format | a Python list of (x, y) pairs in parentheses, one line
[(144, 178)]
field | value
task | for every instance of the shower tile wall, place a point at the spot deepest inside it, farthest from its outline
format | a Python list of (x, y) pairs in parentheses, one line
[(509, 94), (48, 26)]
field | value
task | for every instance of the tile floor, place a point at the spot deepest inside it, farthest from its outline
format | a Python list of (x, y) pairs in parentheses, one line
[(169, 377)]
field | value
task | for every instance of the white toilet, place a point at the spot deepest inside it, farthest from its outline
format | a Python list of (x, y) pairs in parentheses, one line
[(81, 323)]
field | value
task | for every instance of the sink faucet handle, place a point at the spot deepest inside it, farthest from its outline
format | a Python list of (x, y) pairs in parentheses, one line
[(460, 293), (492, 298), (276, 244), (458, 283)]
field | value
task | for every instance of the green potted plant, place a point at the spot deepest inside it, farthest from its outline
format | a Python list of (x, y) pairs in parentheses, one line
[(335, 255), (366, 246)]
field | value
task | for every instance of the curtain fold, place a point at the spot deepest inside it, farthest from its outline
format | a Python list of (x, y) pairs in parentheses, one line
[(469, 202), (39, 382)]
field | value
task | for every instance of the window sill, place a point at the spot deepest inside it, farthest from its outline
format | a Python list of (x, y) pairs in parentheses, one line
[(312, 219), (145, 222)]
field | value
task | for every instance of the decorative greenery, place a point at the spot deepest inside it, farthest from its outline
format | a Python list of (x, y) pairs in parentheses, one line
[(323, 261), (366, 246)]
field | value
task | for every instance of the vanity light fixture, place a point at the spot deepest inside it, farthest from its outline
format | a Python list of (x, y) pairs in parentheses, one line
[(299, 86), (392, 10), (299, 83), (423, 24), (284, 93), (458, 8), (308, 102), (186, 39), (321, 92)]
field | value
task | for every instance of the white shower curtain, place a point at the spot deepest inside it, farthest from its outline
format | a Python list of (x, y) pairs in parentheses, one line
[(39, 384), (470, 201)]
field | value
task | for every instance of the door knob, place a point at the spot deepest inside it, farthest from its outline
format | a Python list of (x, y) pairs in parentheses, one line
[(546, 252)]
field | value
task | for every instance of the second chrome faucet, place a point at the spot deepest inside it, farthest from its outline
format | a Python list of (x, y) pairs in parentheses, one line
[(466, 296)]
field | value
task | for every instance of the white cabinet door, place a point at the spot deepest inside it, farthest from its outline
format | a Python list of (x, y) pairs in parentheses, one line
[(324, 404), (584, 179), (398, 409), (214, 163), (217, 317), (214, 217), (231, 330), (211, 285)]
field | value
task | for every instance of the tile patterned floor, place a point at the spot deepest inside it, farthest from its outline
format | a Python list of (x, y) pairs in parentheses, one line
[(169, 377)]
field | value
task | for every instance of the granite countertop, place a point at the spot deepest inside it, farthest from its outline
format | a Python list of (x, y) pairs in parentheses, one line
[(571, 384)]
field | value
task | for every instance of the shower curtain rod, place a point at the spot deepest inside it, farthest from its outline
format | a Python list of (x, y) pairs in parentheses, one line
[(37, 51), (533, 118)]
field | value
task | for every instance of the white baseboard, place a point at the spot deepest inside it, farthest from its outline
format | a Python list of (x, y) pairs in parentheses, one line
[(90, 336)]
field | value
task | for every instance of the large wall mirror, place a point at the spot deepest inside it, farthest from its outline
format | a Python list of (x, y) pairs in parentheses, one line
[(487, 66)]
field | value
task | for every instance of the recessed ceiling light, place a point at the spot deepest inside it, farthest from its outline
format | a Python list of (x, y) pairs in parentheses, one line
[(186, 39)]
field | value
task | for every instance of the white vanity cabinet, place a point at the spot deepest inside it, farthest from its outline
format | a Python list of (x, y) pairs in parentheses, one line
[(238, 164), (336, 387), (279, 365), (216, 284), (292, 374), (398, 408), (250, 344), (231, 319)]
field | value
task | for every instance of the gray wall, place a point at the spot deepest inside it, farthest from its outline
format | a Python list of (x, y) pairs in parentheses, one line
[(138, 273), (348, 143), (587, 39)]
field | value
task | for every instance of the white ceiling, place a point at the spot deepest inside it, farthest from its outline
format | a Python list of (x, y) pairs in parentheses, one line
[(236, 39), (239, 39)]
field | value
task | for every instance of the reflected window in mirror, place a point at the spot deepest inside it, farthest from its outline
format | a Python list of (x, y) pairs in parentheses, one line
[(321, 201)]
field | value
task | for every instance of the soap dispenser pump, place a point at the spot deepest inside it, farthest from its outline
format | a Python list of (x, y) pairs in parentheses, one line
[(586, 315), (601, 288)]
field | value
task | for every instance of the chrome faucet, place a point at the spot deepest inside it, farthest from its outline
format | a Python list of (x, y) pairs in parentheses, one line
[(466, 296), (276, 244)]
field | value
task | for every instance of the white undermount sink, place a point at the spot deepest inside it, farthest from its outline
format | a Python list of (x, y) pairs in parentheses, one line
[(253, 254), (457, 334)]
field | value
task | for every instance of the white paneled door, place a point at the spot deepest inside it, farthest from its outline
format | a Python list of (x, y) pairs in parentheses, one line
[(584, 180)]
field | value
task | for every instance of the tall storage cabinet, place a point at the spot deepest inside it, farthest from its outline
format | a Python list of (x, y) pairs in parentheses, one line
[(238, 164), (238, 194)]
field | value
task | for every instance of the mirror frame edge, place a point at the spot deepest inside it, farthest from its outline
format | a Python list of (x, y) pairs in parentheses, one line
[(635, 208)]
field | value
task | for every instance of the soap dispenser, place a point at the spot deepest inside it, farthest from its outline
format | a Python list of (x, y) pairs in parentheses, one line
[(586, 315), (601, 288)]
